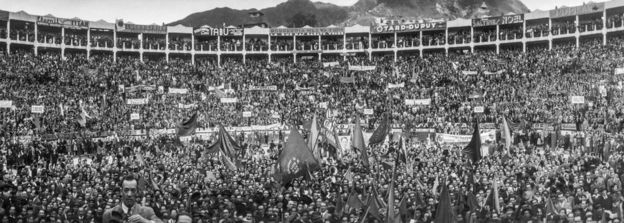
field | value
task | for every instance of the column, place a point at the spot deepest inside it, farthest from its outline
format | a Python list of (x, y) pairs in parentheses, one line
[(167, 42), (88, 42), (192, 44), (244, 48), (294, 44), (320, 58), (472, 39), (8, 36), (269, 40), (549, 34), (577, 34), (524, 36), (219, 46), (370, 41), (294, 57), (344, 42), (395, 54), (193, 58), (141, 47), (604, 27), (36, 35), (320, 45), (244, 57), (219, 59), (269, 55)]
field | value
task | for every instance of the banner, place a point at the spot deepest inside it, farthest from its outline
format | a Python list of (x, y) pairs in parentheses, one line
[(213, 88), (246, 114), (408, 27), (499, 20), (401, 85), (6, 103), (134, 28), (263, 88), (497, 72), (362, 68), (186, 106), (209, 31), (487, 125), (178, 90), (229, 100), (347, 80), (135, 116), (140, 88), (543, 126), (323, 105), (577, 99), (568, 126), (331, 64), (619, 70), (67, 23), (137, 101), (467, 72), (418, 101), (486, 137), (316, 31), (368, 111), (36, 109), (479, 109)]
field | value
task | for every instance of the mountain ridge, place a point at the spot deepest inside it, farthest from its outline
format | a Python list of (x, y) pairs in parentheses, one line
[(298, 13)]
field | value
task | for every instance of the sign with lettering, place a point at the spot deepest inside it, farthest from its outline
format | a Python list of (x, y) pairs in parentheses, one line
[(578, 10), (38, 109), (209, 31), (6, 104), (68, 23), (499, 20), (324, 31), (408, 27)]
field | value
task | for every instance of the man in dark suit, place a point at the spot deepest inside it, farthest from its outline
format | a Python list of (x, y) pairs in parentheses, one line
[(129, 210)]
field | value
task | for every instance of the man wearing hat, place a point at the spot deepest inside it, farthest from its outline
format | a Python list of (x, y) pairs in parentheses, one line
[(129, 210)]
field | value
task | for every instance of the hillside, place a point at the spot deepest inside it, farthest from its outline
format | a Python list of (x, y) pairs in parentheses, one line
[(298, 13)]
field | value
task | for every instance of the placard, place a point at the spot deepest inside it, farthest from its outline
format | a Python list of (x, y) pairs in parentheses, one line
[(38, 109), (178, 90), (426, 101), (135, 116), (368, 111), (246, 114), (6, 103), (577, 99), (137, 101), (479, 109), (229, 100), (619, 70)]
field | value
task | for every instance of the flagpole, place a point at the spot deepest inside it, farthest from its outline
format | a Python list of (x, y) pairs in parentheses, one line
[(365, 215)]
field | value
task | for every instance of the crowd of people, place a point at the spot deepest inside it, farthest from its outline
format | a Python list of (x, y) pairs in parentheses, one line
[(558, 174)]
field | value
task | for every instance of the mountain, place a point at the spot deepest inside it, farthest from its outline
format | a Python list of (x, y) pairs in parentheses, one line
[(298, 13)]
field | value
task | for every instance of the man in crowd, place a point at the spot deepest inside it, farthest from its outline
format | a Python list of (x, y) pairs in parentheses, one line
[(128, 210)]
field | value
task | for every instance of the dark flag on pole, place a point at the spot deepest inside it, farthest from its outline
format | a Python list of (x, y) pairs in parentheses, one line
[(296, 159), (379, 135), (444, 213), (187, 128), (473, 150), (358, 142)]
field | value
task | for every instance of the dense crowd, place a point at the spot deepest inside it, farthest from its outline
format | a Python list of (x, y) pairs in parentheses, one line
[(578, 171)]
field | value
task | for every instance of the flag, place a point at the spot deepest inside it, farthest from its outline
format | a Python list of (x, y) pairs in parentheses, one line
[(228, 149), (339, 206), (357, 142), (402, 209), (379, 135), (83, 120), (373, 207), (390, 217), (296, 159), (492, 199), (82, 110), (188, 127), (314, 133), (506, 130), (473, 204), (444, 213), (474, 147), (353, 202)]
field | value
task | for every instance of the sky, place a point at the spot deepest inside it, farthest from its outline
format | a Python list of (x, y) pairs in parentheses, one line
[(166, 11)]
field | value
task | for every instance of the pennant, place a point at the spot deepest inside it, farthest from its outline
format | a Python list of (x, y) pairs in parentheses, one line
[(390, 217), (296, 160), (473, 150)]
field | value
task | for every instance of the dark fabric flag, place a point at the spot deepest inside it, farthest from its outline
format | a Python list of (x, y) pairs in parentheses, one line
[(473, 150), (492, 199), (296, 159), (473, 204), (339, 206), (353, 202), (390, 217), (444, 213), (402, 210), (228, 148), (357, 142), (187, 128), (379, 135), (373, 207)]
